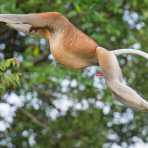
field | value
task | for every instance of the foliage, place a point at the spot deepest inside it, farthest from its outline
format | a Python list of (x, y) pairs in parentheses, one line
[(8, 77), (93, 119)]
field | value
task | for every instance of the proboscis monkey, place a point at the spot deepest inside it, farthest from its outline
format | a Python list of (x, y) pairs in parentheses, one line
[(75, 49)]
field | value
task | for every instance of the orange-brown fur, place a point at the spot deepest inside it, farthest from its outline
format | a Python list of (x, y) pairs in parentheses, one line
[(75, 49)]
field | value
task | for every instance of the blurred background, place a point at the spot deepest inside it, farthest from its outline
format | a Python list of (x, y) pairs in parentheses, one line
[(45, 105)]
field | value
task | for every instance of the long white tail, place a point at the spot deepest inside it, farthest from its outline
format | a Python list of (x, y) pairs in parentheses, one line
[(130, 51)]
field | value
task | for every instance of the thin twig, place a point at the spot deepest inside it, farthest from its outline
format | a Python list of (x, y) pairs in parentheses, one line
[(41, 58), (34, 119)]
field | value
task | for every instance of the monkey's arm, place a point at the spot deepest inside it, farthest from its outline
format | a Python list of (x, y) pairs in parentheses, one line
[(115, 82), (27, 22)]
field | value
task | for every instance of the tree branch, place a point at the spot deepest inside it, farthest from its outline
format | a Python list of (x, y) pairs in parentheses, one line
[(34, 119), (41, 58)]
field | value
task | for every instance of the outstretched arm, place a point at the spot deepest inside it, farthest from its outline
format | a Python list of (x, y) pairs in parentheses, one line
[(115, 82), (30, 22)]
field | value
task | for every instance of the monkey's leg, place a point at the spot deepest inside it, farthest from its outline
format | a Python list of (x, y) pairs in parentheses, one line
[(115, 82)]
